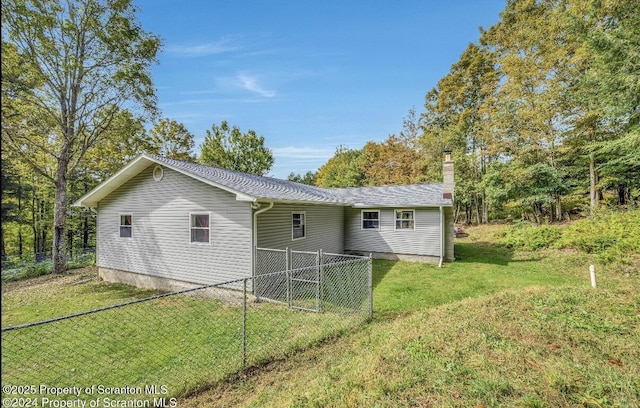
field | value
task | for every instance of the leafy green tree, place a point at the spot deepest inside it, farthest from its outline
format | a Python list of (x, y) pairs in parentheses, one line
[(392, 162), (458, 117), (172, 140), (72, 65), (309, 178), (342, 170), (229, 148), (607, 95), (534, 54)]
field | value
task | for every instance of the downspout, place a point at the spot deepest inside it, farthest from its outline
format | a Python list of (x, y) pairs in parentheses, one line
[(441, 237), (255, 234)]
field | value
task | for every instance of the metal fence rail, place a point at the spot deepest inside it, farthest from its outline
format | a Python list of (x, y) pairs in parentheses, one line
[(173, 344)]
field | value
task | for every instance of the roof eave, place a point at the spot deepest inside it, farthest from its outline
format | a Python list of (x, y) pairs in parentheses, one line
[(134, 168), (401, 205)]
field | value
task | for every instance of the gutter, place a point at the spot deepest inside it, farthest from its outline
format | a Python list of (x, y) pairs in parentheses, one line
[(255, 233), (441, 237)]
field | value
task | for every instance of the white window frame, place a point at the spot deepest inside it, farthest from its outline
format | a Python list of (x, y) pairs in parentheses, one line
[(395, 219), (191, 227), (121, 225), (362, 220), (304, 225)]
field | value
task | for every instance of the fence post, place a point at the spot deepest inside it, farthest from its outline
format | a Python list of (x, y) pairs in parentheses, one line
[(256, 291), (288, 275), (319, 278), (244, 323), (370, 283)]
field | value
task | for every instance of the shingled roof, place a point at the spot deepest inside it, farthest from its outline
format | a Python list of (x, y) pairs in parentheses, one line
[(249, 187)]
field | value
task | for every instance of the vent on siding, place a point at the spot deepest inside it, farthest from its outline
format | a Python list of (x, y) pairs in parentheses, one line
[(158, 173)]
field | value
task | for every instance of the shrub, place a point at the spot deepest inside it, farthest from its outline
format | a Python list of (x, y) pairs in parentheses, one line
[(529, 238), (613, 236), (35, 269)]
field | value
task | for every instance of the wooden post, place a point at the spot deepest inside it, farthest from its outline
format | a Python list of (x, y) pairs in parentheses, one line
[(592, 272)]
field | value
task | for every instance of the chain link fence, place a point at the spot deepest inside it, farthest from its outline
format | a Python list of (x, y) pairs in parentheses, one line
[(32, 265), (175, 344)]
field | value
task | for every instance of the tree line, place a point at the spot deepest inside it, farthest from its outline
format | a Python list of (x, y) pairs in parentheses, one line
[(27, 197), (542, 114)]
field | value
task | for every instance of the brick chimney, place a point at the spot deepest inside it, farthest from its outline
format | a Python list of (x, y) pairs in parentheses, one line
[(447, 173)]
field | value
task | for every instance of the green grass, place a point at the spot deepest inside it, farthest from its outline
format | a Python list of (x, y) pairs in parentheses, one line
[(539, 347), (498, 327), (183, 342), (480, 268), (51, 296)]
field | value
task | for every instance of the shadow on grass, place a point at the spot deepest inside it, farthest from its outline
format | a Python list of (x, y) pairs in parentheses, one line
[(380, 269), (482, 252), (487, 253)]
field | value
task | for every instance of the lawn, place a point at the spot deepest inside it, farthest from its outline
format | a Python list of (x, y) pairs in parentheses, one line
[(183, 342), (498, 327)]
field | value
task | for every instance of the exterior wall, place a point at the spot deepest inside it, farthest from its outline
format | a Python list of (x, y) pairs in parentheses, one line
[(324, 228), (448, 234), (160, 244), (423, 241)]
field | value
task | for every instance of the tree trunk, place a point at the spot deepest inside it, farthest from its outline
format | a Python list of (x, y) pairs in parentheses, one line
[(59, 251), (85, 232), (593, 179), (622, 193), (485, 209), (558, 208), (85, 219), (3, 252)]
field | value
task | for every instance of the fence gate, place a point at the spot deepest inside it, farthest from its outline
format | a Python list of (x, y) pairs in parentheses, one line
[(304, 289)]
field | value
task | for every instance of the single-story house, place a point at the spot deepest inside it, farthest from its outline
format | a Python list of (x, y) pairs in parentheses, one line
[(166, 223)]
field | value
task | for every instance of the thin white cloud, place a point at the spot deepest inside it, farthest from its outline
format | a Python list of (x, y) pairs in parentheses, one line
[(204, 49), (303, 152), (251, 83)]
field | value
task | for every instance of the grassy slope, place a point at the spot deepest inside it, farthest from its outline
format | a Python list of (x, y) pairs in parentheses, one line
[(496, 328)]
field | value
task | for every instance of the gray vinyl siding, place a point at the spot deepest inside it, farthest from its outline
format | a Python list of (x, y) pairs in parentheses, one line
[(324, 228), (424, 240), (160, 243)]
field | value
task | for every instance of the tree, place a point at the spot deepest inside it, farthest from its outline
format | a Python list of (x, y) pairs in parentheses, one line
[(458, 117), (342, 170), (607, 95), (392, 162), (229, 148), (172, 140), (79, 62), (309, 178)]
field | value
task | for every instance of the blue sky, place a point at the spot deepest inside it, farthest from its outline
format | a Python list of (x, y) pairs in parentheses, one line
[(309, 76)]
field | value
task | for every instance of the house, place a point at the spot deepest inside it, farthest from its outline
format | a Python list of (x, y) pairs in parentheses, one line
[(170, 224)]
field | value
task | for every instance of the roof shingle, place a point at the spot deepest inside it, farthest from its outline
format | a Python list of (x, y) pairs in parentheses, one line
[(268, 188)]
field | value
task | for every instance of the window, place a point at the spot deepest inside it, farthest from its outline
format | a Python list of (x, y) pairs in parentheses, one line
[(297, 226), (405, 219), (200, 228), (126, 225), (370, 219)]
